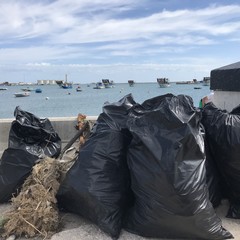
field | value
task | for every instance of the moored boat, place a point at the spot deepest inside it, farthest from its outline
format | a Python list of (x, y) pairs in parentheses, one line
[(163, 82), (206, 81), (22, 94), (27, 89), (131, 83), (1, 89), (107, 83), (194, 81), (38, 90), (66, 84), (99, 85), (78, 89)]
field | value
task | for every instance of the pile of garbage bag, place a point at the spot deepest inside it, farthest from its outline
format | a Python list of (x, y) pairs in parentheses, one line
[(143, 169), (156, 169)]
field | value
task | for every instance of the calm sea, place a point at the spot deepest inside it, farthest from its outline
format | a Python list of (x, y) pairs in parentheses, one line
[(57, 102)]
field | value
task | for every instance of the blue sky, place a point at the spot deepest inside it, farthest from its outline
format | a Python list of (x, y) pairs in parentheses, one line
[(116, 39)]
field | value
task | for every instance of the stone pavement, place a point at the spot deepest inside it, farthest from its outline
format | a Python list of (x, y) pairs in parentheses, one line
[(76, 228)]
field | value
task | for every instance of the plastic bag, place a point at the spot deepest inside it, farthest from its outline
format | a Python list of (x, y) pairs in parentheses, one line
[(223, 137), (30, 138), (213, 179), (34, 135), (15, 167), (98, 184), (212, 175), (168, 176)]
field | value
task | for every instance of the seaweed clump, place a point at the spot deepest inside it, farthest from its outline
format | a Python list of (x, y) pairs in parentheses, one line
[(35, 209)]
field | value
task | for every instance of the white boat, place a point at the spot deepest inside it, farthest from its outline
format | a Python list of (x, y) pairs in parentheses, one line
[(66, 85), (22, 94), (99, 85), (107, 83), (206, 81), (163, 82), (78, 89)]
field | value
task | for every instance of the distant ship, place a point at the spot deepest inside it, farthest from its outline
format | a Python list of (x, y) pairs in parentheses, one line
[(66, 84), (107, 83), (194, 81), (206, 81), (131, 83), (163, 82), (99, 85)]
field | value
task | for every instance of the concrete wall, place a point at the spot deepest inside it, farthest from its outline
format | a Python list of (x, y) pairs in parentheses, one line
[(226, 100), (64, 126)]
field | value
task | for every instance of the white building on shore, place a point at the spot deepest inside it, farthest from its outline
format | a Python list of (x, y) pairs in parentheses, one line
[(48, 82)]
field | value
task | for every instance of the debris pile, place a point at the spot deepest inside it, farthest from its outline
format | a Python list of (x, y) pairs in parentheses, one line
[(144, 168), (34, 210)]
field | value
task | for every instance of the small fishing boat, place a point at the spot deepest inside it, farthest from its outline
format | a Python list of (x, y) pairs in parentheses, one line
[(131, 83), (163, 82), (22, 94), (27, 89), (66, 84), (206, 81), (38, 90), (1, 89), (78, 89), (99, 85), (107, 83)]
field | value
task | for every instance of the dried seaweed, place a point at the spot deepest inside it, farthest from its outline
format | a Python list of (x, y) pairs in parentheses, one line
[(34, 209)]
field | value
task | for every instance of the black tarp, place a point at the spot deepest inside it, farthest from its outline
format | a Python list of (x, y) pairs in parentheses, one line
[(166, 159), (226, 78)]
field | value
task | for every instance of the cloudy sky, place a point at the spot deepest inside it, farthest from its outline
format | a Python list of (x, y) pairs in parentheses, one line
[(116, 39)]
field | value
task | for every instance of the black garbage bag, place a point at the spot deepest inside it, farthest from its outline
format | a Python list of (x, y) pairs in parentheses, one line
[(213, 179), (223, 137), (34, 135), (212, 175), (30, 138), (97, 186), (168, 176), (15, 167)]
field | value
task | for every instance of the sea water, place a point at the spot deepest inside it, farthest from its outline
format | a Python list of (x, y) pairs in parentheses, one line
[(58, 102)]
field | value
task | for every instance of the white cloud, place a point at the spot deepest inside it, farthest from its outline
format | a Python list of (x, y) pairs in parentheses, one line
[(43, 35)]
